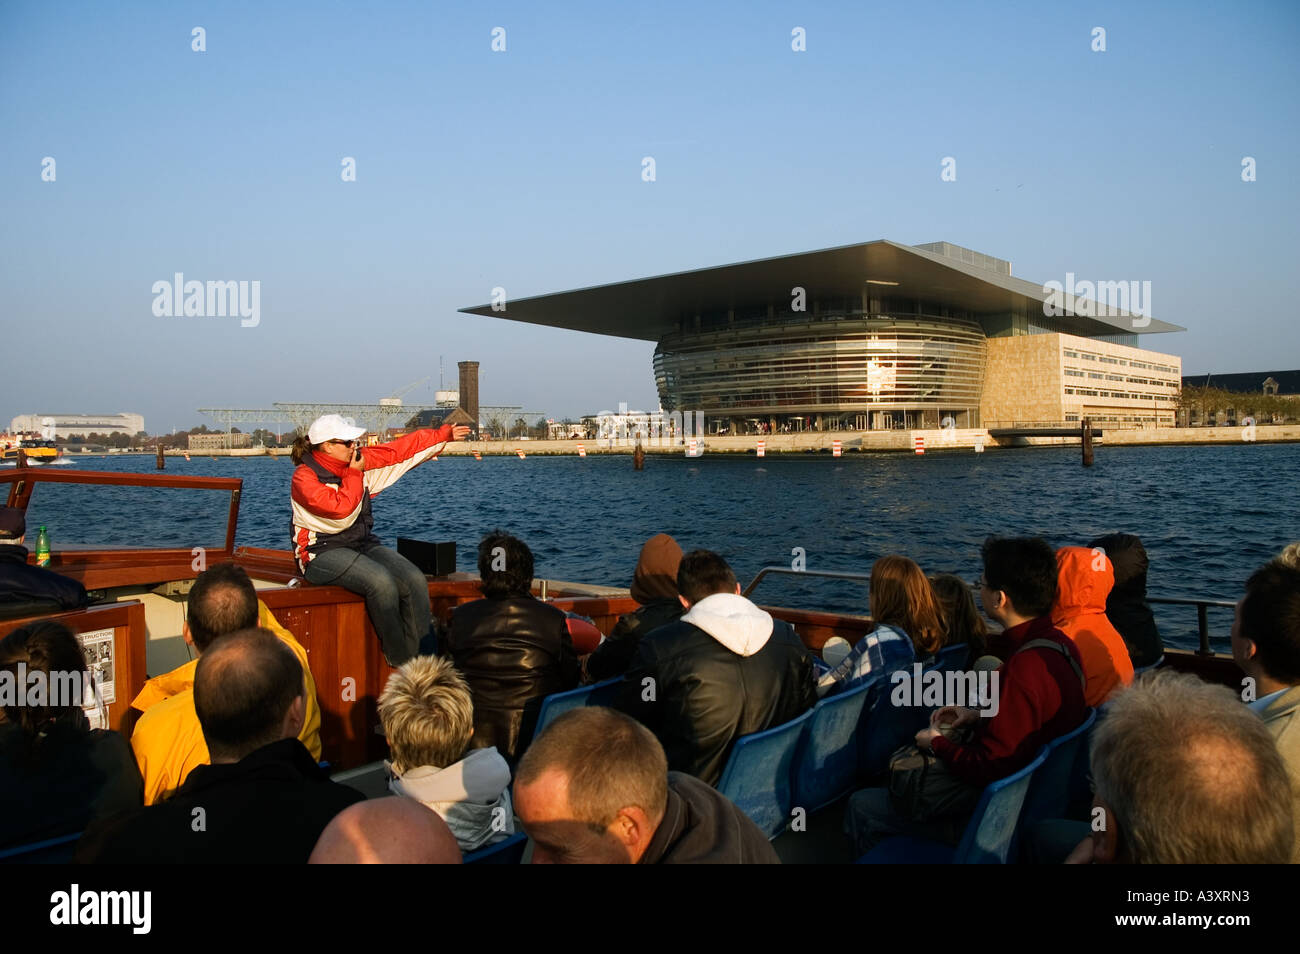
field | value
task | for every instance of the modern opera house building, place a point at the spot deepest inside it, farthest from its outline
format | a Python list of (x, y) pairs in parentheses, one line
[(880, 336)]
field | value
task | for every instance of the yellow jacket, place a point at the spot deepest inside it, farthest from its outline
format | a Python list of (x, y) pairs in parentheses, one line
[(168, 740)]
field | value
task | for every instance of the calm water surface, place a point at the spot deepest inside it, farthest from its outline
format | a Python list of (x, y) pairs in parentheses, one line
[(1208, 515)]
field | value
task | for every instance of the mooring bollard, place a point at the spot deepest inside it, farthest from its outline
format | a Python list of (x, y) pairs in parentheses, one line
[(1086, 431)]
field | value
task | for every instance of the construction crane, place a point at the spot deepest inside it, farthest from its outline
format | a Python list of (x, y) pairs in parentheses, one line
[(395, 400)]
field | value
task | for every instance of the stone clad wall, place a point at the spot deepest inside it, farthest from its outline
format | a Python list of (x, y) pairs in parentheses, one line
[(1022, 381)]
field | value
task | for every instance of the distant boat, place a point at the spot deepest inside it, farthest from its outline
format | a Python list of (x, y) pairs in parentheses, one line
[(37, 451)]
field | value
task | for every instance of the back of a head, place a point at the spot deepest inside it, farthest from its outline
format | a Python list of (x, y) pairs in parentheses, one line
[(703, 573), (1128, 558), (655, 577), (13, 524), (222, 600), (49, 648), (1270, 618), (386, 831), (901, 596), (1025, 569), (610, 760), (1084, 579), (244, 686), (505, 565), (962, 616), (428, 714), (1192, 776)]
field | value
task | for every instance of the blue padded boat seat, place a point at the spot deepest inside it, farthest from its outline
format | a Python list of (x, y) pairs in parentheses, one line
[(759, 777)]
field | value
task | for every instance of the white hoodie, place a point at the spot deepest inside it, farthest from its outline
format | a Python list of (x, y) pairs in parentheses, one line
[(470, 796), (733, 621)]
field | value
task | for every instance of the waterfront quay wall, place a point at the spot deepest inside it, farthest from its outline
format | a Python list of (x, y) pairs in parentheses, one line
[(935, 441), (956, 439)]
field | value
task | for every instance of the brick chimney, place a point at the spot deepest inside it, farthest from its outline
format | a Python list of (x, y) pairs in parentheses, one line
[(469, 389)]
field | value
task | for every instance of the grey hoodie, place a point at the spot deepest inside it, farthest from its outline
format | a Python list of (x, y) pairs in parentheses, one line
[(733, 621), (471, 796)]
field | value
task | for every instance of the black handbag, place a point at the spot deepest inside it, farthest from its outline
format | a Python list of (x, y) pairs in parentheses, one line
[(922, 787)]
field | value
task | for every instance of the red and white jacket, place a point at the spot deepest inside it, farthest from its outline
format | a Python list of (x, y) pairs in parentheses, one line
[(331, 501)]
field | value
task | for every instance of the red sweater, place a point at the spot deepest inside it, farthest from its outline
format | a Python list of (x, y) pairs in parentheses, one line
[(1040, 698)]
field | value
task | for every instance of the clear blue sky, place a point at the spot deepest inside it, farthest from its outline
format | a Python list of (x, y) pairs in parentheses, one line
[(523, 169)]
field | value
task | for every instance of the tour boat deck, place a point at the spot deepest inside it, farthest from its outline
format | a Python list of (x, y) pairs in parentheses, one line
[(142, 604)]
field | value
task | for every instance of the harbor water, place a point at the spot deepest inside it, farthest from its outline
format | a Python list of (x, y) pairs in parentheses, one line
[(1207, 515)]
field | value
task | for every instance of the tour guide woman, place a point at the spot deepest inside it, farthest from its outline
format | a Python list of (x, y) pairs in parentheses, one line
[(332, 538)]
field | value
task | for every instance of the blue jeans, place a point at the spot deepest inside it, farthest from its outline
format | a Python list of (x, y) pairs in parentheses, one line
[(396, 592)]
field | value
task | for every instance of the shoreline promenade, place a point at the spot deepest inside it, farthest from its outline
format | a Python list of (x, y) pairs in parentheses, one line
[(821, 442)]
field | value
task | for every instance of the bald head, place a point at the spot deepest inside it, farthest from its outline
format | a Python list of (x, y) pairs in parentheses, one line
[(386, 831), (247, 693)]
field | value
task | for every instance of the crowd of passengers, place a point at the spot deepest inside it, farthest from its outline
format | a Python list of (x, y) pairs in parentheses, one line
[(222, 765)]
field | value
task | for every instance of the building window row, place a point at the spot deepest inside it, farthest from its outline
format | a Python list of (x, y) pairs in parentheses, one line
[(1105, 359)]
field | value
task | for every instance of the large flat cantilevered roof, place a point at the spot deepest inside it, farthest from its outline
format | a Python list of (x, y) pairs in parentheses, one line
[(650, 308)]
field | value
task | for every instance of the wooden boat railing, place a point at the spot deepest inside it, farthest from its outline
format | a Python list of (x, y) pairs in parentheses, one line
[(103, 567)]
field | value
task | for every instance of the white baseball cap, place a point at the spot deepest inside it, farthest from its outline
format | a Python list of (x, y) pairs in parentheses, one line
[(333, 427)]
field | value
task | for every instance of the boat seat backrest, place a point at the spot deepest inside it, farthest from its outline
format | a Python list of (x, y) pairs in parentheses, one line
[(759, 776)]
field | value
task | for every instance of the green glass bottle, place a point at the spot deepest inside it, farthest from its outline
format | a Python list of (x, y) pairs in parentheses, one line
[(43, 547)]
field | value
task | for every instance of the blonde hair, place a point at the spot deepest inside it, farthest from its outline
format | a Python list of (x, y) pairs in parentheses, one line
[(1290, 555), (428, 714)]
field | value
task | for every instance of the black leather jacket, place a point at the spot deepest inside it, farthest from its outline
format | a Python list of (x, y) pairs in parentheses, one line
[(513, 653), (707, 696), (613, 656)]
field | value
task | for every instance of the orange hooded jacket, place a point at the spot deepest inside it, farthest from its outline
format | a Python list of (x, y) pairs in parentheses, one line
[(1084, 579)]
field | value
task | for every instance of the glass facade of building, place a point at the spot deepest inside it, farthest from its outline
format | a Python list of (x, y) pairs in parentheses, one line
[(878, 371)]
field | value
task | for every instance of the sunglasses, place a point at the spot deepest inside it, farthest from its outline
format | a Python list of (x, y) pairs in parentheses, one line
[(344, 443)]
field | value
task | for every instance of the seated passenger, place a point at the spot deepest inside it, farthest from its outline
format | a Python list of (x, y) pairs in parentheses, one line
[(594, 788), (724, 670), (1186, 775), (428, 718), (1085, 578), (654, 586), (962, 616), (1039, 697), (386, 831), (513, 649), (167, 740), (263, 800), (1126, 605), (56, 773), (1266, 645), (20, 582), (909, 625)]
